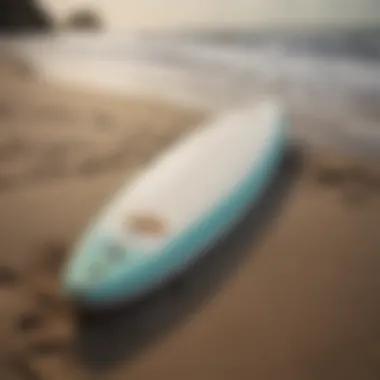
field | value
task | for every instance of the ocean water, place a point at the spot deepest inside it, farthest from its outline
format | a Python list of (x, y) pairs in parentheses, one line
[(329, 80), (350, 59), (359, 44)]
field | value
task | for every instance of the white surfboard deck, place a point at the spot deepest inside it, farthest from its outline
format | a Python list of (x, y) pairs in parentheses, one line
[(179, 190)]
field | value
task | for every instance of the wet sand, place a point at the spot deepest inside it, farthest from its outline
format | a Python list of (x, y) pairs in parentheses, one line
[(291, 293)]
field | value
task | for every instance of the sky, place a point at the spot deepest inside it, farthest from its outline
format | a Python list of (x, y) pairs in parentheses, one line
[(172, 14)]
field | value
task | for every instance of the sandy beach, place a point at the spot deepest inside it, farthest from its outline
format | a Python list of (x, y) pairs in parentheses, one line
[(291, 293)]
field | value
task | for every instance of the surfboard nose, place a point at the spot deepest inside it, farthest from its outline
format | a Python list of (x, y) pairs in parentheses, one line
[(94, 263), (74, 284), (73, 288)]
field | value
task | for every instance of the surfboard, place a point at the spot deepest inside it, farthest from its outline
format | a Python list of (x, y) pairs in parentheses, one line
[(177, 207)]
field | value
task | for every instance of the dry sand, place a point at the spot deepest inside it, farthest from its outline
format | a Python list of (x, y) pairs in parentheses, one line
[(292, 292)]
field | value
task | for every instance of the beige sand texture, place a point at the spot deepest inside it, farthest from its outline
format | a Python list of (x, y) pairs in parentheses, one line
[(291, 293)]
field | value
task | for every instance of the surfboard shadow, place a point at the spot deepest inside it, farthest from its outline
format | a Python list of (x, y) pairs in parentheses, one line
[(107, 337)]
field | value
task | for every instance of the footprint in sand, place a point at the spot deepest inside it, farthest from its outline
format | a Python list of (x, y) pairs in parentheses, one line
[(29, 321), (362, 183), (330, 176), (91, 166), (52, 114), (46, 169), (19, 367), (354, 193), (8, 276), (13, 147), (6, 111), (356, 183), (49, 347), (373, 179), (44, 337), (103, 121), (53, 255), (7, 183)]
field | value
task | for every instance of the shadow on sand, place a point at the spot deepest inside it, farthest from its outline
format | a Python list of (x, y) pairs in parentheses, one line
[(107, 337)]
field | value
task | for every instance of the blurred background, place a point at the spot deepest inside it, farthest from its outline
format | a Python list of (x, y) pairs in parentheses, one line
[(318, 55), (91, 91), (183, 14)]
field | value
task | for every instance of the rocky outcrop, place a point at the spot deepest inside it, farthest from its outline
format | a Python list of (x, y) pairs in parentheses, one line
[(84, 19), (23, 16)]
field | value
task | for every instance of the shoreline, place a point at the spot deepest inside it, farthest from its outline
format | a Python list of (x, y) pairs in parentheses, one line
[(347, 116)]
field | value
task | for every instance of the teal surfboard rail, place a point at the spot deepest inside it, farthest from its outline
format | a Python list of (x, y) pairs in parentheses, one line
[(130, 278)]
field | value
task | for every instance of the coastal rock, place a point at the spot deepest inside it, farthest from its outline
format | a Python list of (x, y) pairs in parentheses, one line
[(23, 16), (83, 19)]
